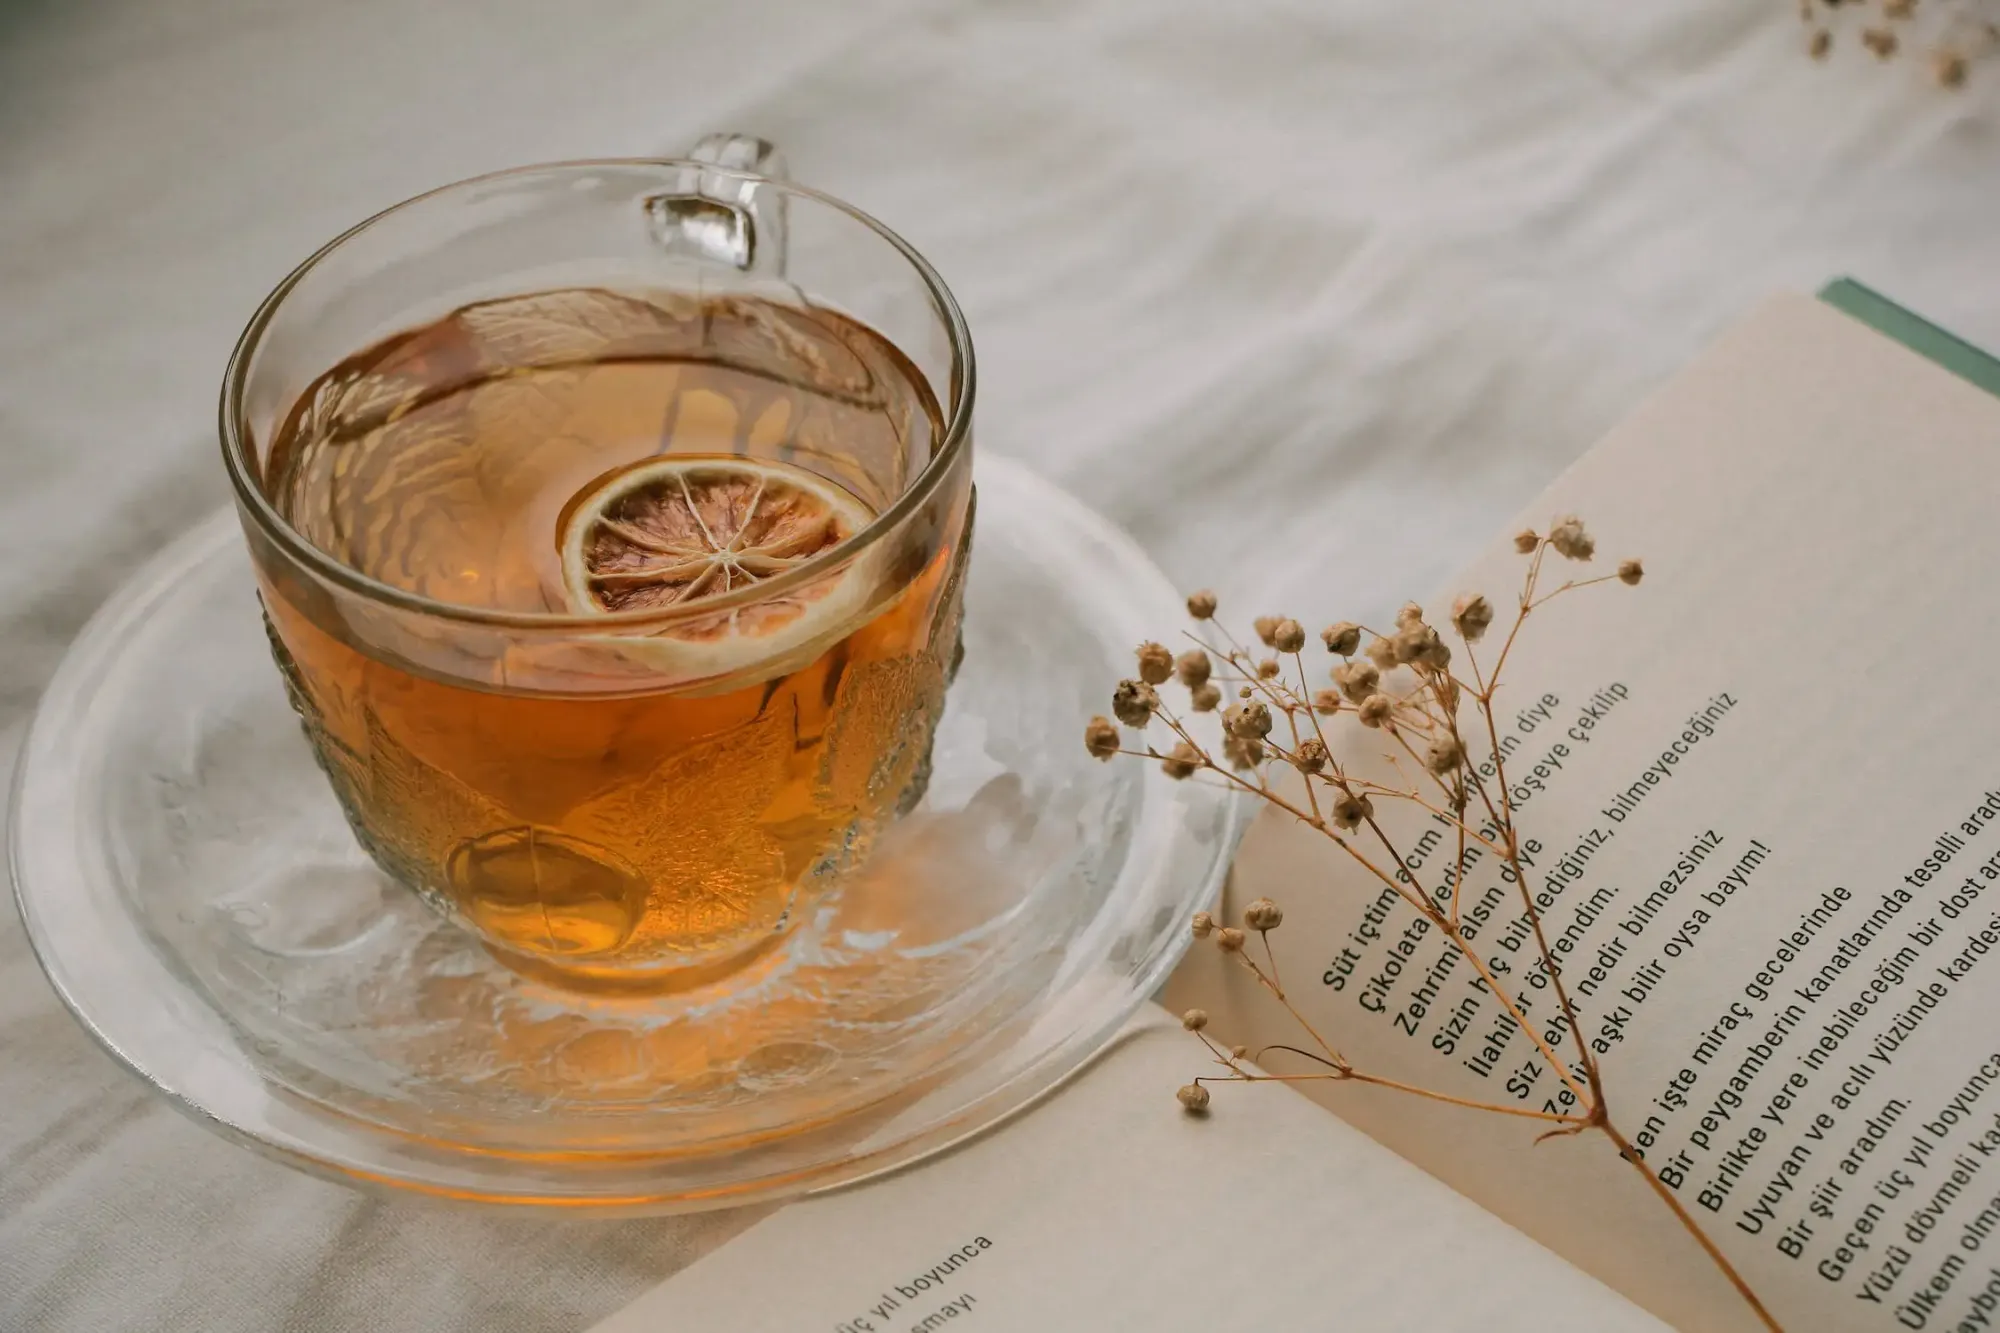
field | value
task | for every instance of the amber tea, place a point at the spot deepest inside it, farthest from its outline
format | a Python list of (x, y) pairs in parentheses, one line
[(661, 796)]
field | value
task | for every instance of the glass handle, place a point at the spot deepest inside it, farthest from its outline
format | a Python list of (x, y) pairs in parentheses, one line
[(729, 215), (742, 152)]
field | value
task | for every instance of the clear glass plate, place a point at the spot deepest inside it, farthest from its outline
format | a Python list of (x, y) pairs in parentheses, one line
[(193, 893)]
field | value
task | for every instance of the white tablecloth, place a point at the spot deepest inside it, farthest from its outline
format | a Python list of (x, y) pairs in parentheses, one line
[(1308, 293)]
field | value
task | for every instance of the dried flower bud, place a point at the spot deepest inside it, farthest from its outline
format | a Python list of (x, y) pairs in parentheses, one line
[(1525, 541), (1357, 680), (1342, 638), (1155, 664), (1326, 702), (1948, 68), (1251, 721), (1205, 698), (1350, 808), (1266, 627), (1376, 710), (1133, 702), (1182, 763), (1193, 667), (1470, 615), (1288, 636), (1446, 755), (1570, 539), (1194, 1020), (1244, 691), (1239, 1052), (1820, 44), (1263, 914), (1203, 925), (1898, 9), (1268, 669), (1194, 1098), (1630, 572), (1409, 614), (1312, 756), (1418, 644), (1242, 752), (1100, 738), (1201, 605), (1881, 41), (1229, 939), (1382, 652)]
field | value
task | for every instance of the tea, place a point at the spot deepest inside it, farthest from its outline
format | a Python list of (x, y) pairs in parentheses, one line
[(666, 795)]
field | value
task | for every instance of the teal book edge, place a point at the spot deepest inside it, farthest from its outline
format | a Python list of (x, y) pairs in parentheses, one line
[(1921, 336)]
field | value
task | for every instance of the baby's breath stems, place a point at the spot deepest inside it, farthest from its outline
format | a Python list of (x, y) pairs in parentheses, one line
[(1270, 983), (1585, 1096), (1428, 710), (1513, 852)]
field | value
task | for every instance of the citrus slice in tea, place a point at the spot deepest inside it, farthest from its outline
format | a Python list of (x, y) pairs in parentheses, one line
[(678, 530)]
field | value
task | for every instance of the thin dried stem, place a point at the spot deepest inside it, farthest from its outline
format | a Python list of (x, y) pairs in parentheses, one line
[(1688, 1221), (1570, 586), (1527, 1113), (1270, 983), (1428, 1094)]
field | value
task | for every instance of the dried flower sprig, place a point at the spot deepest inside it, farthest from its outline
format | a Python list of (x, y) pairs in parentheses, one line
[(1955, 34), (1425, 701)]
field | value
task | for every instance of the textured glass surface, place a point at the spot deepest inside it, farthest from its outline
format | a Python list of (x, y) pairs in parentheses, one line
[(195, 894)]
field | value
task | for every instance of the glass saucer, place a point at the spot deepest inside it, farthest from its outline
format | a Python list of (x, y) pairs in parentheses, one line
[(193, 893)]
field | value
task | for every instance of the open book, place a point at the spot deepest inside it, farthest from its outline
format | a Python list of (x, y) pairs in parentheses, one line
[(1762, 801)]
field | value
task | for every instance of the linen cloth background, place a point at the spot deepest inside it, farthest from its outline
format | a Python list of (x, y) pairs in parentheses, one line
[(1308, 294)]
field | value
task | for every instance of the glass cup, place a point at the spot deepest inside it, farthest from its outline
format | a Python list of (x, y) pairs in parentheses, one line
[(610, 520)]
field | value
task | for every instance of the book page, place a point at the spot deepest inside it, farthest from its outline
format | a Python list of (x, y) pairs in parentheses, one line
[(1761, 799), (1107, 1208)]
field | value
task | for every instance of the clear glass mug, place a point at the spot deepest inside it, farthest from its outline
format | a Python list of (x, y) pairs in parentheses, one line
[(506, 457)]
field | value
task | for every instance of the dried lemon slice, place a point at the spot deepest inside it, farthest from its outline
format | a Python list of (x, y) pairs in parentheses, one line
[(677, 530)]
